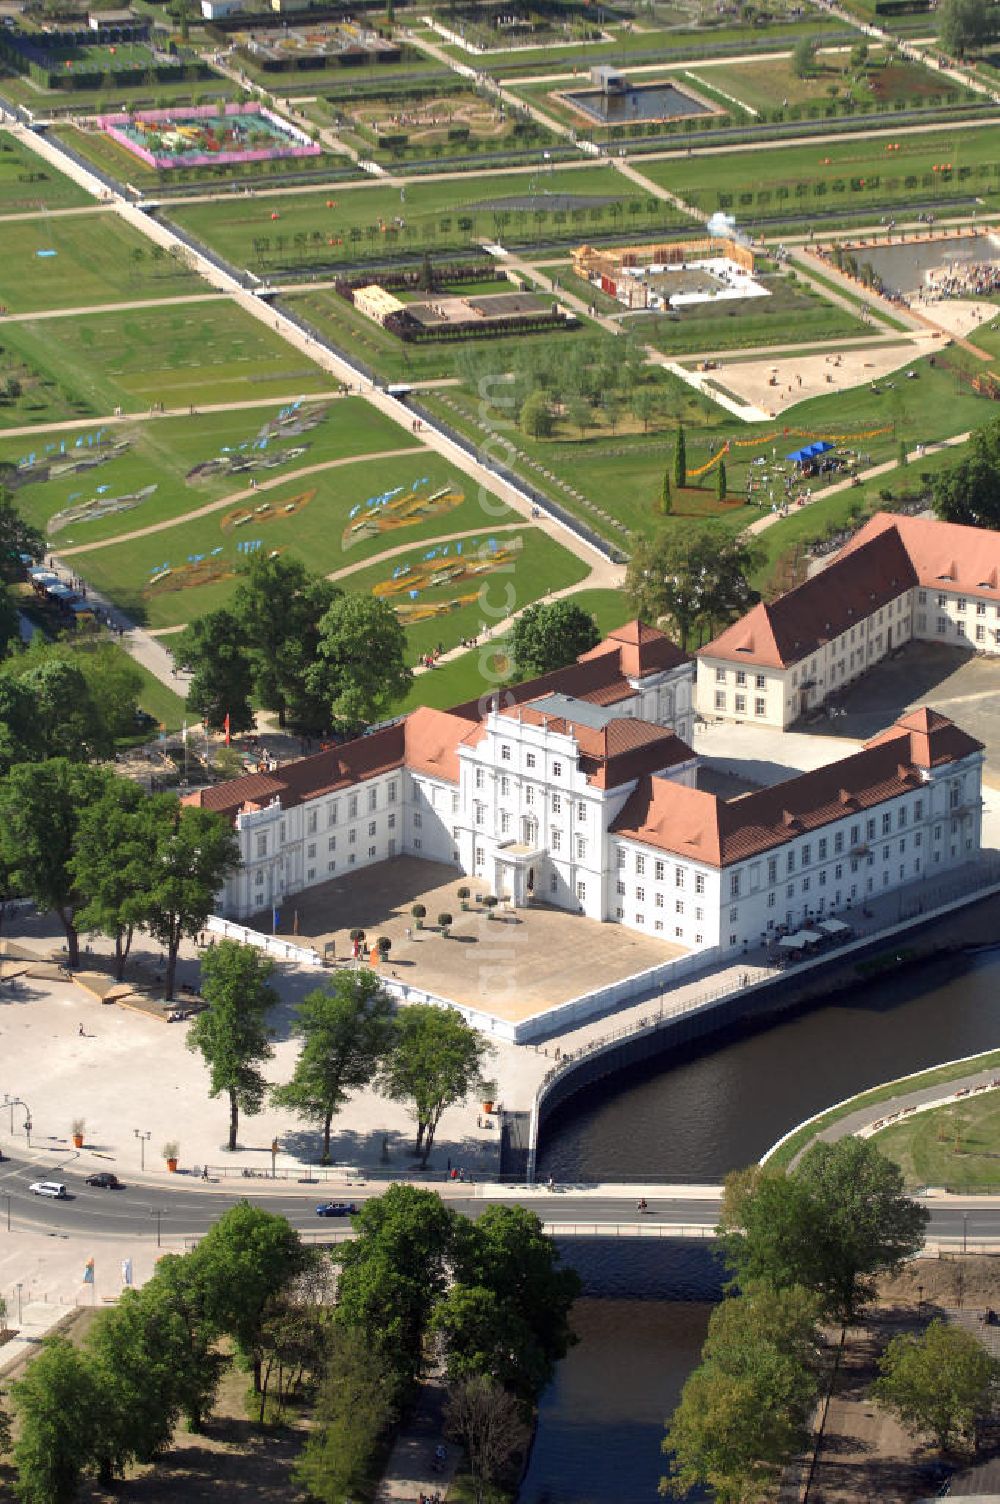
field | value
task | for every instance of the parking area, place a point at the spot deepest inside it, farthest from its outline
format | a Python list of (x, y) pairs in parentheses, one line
[(516, 965), (958, 684)]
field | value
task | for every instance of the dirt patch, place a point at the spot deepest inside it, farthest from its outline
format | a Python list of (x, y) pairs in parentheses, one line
[(864, 1453)]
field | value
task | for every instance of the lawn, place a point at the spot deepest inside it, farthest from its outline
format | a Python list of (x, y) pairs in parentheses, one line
[(769, 84), (197, 559), (194, 353), (793, 311), (840, 175), (84, 260), (55, 102), (530, 564), (163, 453), (370, 220), (613, 481), (28, 182), (957, 1146)]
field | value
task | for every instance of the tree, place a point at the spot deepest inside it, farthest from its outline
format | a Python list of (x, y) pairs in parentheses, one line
[(489, 1424), (9, 629), (60, 1418), (346, 1031), (112, 864), (278, 606), (6, 1435), (942, 1382), (859, 56), (966, 25), (680, 460), (666, 500), (536, 416), (720, 481), (836, 1221), (232, 1034), (214, 650), (645, 406), (177, 1286), (17, 537), (804, 57), (507, 1311), (195, 853), (65, 720), (355, 1405), (969, 491), (360, 671), (551, 636), (696, 577), (246, 1260), (41, 805), (394, 1271), (437, 1061)]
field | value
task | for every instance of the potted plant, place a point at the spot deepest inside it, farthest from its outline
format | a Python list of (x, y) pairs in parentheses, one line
[(489, 904), (444, 920), (463, 898), (489, 1088), (358, 935), (419, 912), (170, 1151), (384, 946), (77, 1131)]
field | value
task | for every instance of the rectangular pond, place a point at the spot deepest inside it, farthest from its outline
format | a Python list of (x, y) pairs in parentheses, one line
[(637, 102)]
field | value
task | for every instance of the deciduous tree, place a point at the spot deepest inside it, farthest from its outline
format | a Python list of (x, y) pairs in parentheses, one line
[(437, 1060), (41, 806), (359, 671), (547, 637), (840, 1218), (355, 1405), (346, 1030), (969, 491), (696, 577), (231, 1034), (60, 1423), (966, 25), (942, 1383), (195, 853), (113, 863), (214, 650), (17, 537), (489, 1424)]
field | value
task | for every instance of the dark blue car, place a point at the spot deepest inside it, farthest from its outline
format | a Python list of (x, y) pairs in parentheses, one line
[(336, 1209)]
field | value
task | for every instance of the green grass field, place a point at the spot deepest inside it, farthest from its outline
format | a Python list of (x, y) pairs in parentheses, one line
[(765, 84), (162, 451), (281, 234), (56, 102), (28, 182), (194, 353), (315, 533), (540, 565), (957, 1146), (84, 260), (820, 175)]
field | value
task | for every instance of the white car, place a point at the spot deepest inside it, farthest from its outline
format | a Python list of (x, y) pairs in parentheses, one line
[(48, 1188)]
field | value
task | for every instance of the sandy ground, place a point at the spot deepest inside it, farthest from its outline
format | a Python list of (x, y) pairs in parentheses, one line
[(961, 316), (799, 377)]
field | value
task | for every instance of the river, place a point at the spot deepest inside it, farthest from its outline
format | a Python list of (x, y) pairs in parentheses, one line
[(699, 1113), (695, 1116)]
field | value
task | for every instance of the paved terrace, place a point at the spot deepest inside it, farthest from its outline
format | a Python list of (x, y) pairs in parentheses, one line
[(524, 962)]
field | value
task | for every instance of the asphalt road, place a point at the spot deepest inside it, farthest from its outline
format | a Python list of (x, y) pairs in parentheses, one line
[(188, 1210)]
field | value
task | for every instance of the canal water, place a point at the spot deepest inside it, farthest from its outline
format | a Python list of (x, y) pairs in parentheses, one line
[(695, 1116)]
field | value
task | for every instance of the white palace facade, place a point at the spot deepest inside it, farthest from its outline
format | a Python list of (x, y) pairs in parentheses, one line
[(579, 790)]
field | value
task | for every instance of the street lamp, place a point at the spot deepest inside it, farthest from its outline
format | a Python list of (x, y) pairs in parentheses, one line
[(143, 1139), (13, 1102), (18, 1289), (157, 1212)]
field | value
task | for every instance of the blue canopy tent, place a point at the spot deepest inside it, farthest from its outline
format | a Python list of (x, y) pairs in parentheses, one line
[(809, 452)]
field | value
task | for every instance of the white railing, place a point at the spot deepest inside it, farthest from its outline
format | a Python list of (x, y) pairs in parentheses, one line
[(271, 945)]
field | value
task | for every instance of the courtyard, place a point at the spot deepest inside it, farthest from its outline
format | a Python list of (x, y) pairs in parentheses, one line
[(519, 964)]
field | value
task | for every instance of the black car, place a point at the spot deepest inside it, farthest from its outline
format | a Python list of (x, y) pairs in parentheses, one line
[(105, 1181), (336, 1209)]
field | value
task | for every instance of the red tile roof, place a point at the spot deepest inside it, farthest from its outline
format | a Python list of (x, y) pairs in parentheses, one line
[(428, 740), (704, 828), (824, 606), (619, 752), (944, 555)]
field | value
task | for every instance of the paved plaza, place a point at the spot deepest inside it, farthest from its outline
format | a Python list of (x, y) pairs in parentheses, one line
[(521, 963)]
